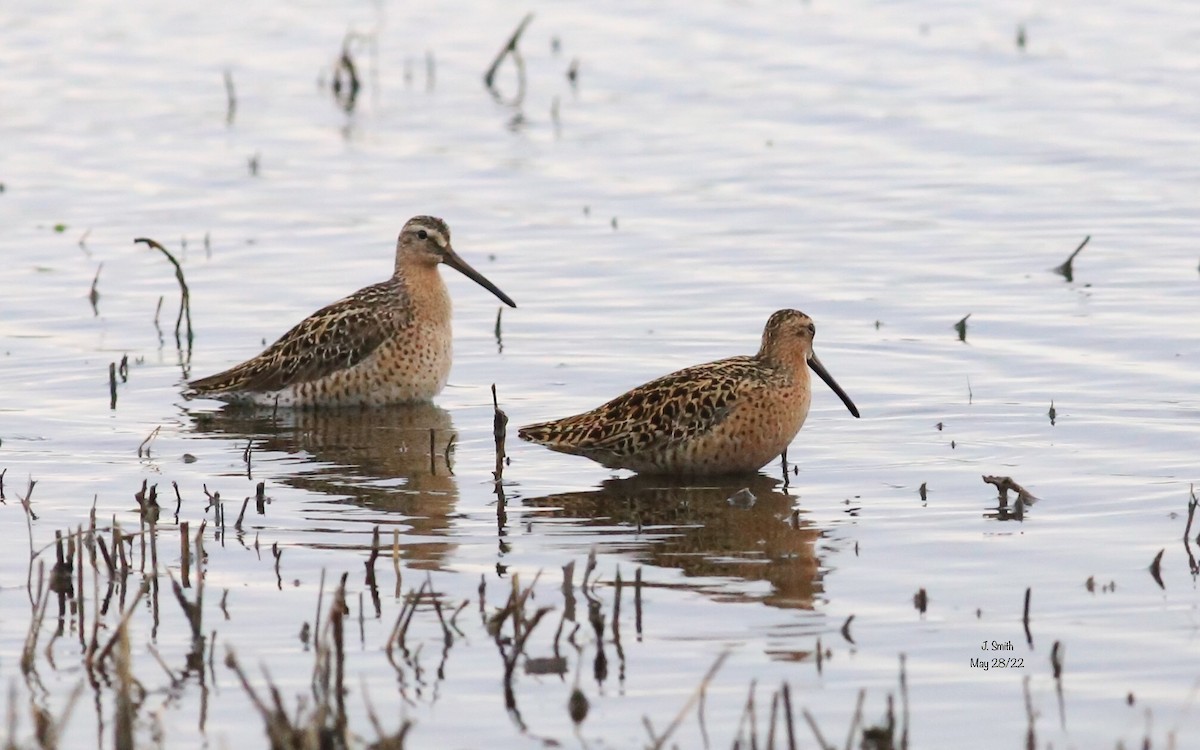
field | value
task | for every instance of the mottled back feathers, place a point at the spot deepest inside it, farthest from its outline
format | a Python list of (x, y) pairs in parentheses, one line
[(336, 337), (659, 415)]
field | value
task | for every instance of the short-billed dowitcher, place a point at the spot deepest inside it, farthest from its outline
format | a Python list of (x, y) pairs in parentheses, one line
[(386, 343), (731, 416)]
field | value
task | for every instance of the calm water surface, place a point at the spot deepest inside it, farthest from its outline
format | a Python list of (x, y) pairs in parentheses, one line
[(887, 168)]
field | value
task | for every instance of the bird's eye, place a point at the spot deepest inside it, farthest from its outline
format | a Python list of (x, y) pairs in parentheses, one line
[(423, 234), (812, 329)]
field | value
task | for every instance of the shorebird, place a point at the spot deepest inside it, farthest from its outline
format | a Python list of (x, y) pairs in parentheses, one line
[(386, 343), (731, 416)]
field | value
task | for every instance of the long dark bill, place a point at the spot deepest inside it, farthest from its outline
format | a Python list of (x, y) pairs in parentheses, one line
[(458, 264), (819, 368)]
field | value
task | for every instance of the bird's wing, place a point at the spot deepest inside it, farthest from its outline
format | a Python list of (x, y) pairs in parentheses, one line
[(333, 338), (662, 413)]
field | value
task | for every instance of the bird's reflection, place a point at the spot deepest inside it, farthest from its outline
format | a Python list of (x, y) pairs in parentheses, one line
[(391, 459), (744, 528)]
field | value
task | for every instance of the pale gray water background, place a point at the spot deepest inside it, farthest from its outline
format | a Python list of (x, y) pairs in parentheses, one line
[(886, 167)]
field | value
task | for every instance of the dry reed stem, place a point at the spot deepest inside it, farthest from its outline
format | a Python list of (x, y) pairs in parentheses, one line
[(185, 303), (509, 48)]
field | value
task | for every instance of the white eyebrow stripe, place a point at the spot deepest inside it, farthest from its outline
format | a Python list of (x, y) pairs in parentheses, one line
[(433, 234)]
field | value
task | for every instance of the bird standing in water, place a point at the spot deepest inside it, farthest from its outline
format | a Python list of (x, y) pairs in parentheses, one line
[(386, 343), (731, 416)]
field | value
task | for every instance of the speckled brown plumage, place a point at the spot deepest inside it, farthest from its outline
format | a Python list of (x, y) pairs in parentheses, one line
[(386, 343), (729, 416)]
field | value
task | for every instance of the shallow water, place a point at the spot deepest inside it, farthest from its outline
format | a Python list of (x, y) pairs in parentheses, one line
[(889, 169)]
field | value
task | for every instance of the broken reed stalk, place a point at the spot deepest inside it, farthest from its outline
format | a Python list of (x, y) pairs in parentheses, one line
[(774, 718), (499, 426), (1025, 617), (346, 92), (124, 708), (637, 602), (510, 49), (185, 303), (748, 717), (103, 654), (1056, 659), (396, 559), (856, 719), (1187, 530), (30, 517), (275, 552), (400, 629), (336, 625), (28, 657), (816, 730), (787, 717), (961, 327), (144, 447), (241, 514), (94, 293), (370, 563), (1056, 664), (616, 622), (79, 564), (1066, 269), (194, 612), (185, 555), (449, 452)]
